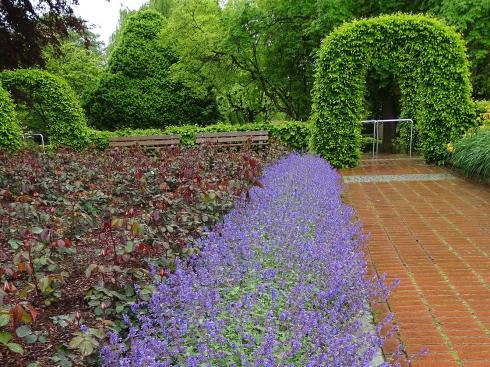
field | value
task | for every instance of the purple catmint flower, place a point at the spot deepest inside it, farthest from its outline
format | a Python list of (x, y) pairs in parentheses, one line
[(282, 281)]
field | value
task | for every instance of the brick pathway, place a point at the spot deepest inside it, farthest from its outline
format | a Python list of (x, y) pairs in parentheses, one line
[(435, 237)]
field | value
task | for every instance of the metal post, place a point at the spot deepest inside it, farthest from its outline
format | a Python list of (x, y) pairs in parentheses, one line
[(411, 137), (376, 124), (30, 135), (374, 138)]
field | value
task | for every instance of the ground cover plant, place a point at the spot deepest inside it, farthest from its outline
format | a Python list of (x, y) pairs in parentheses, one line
[(280, 282), (80, 234)]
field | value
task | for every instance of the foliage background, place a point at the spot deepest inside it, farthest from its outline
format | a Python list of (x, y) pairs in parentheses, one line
[(10, 131)]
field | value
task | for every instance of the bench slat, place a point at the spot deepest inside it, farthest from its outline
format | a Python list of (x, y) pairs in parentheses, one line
[(233, 138), (226, 139), (143, 138), (233, 133), (148, 141)]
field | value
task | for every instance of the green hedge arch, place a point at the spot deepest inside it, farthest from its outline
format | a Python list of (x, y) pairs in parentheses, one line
[(10, 131), (65, 120), (428, 59)]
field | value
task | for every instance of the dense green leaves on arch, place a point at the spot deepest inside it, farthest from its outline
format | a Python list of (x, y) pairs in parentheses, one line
[(10, 131), (429, 61), (61, 111)]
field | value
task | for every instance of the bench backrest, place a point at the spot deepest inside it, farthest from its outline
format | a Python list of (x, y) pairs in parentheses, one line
[(234, 137), (149, 141)]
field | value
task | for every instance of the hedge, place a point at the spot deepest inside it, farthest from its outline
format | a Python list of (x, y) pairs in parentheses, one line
[(10, 131), (64, 118), (483, 111), (429, 61), (294, 134)]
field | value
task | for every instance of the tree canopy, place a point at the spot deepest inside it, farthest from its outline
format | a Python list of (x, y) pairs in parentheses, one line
[(26, 27)]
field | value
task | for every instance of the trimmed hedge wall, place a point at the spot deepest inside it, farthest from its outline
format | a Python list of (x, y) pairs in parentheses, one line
[(429, 61), (65, 121), (10, 131), (294, 134)]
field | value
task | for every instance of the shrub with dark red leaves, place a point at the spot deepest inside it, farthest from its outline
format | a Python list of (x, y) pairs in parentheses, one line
[(80, 233)]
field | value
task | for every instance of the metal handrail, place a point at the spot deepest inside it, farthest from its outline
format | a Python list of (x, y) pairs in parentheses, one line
[(376, 124), (26, 135)]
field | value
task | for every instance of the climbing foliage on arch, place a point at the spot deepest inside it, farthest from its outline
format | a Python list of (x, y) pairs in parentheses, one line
[(428, 59)]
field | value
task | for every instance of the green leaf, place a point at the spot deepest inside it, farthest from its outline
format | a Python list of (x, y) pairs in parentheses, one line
[(30, 339), (75, 342), (23, 331), (16, 348), (34, 364), (129, 247), (86, 347), (4, 320), (36, 230), (14, 244), (5, 337), (45, 285)]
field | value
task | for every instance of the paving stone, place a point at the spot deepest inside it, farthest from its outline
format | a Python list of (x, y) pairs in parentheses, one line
[(432, 230)]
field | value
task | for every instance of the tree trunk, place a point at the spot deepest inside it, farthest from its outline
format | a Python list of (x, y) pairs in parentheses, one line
[(388, 111)]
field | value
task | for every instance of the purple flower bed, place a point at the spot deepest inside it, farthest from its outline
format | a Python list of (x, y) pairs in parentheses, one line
[(281, 282)]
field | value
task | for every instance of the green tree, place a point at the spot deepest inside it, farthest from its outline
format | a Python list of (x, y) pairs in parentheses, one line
[(79, 65), (472, 19), (268, 43), (137, 90)]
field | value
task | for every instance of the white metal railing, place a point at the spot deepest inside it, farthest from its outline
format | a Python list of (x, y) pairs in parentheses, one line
[(30, 135), (377, 123)]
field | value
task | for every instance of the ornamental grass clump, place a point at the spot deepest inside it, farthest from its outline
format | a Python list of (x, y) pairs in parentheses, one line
[(280, 282)]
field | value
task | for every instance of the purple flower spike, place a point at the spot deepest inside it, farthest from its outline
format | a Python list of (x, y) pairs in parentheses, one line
[(281, 282)]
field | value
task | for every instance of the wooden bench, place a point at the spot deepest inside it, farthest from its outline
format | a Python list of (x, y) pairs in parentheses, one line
[(233, 138), (151, 141)]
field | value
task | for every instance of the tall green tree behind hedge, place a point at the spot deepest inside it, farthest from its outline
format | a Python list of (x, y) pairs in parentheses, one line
[(266, 48), (79, 65), (138, 91)]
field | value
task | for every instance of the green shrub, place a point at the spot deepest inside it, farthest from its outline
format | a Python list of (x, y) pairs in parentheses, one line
[(428, 59), (482, 106), (472, 154), (483, 112), (10, 131), (296, 135), (137, 91), (60, 109)]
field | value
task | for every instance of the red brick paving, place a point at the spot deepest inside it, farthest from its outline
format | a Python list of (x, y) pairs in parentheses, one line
[(435, 237)]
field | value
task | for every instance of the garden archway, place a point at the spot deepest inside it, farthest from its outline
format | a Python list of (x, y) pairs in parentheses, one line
[(63, 115), (429, 61)]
